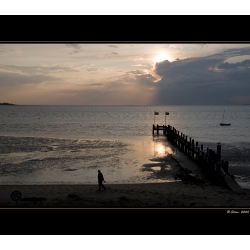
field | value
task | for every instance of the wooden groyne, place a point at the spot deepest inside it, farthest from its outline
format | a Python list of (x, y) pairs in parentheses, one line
[(207, 159), (157, 128)]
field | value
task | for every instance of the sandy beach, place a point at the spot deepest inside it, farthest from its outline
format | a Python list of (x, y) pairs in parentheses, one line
[(189, 187), (156, 195)]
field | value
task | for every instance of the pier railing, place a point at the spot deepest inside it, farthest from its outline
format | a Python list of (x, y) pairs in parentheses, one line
[(209, 160)]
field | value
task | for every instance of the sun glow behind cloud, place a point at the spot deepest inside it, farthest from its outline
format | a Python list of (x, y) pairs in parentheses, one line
[(161, 56), (139, 74)]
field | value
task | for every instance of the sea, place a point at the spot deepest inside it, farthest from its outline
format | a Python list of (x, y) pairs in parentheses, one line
[(69, 144)]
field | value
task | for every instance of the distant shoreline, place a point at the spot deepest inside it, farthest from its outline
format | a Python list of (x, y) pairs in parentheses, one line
[(6, 103)]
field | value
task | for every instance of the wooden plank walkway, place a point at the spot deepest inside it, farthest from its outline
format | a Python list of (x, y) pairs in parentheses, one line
[(202, 159), (232, 184), (185, 162)]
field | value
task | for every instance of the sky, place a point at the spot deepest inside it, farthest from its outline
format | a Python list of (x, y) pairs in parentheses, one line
[(125, 73)]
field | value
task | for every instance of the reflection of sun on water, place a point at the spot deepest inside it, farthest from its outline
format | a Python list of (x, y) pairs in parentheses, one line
[(162, 150), (168, 150)]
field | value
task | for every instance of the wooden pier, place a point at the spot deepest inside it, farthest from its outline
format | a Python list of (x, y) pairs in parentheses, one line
[(158, 128), (207, 159)]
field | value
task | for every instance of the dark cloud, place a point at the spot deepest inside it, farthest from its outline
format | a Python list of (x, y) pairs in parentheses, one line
[(14, 79), (138, 78), (113, 46), (235, 66), (76, 48), (36, 69), (202, 45), (131, 87), (146, 80), (135, 72), (112, 54), (97, 84), (205, 80), (232, 53), (4, 50), (94, 70)]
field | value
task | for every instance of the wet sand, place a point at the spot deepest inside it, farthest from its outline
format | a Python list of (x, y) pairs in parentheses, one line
[(176, 194), (188, 188)]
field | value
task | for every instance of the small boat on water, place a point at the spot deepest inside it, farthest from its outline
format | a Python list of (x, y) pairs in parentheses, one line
[(222, 123)]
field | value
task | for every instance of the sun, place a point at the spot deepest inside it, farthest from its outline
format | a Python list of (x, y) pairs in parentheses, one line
[(162, 56)]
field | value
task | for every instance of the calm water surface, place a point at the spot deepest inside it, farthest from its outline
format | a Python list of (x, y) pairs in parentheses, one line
[(68, 144)]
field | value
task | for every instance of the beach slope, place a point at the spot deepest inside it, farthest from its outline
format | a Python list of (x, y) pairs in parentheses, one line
[(176, 194)]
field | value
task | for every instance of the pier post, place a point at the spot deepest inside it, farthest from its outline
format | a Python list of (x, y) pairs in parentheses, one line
[(189, 146), (210, 160), (186, 141), (193, 149), (182, 142), (198, 155), (225, 167), (202, 158), (217, 172), (218, 152), (196, 150), (207, 155), (174, 130), (207, 159)]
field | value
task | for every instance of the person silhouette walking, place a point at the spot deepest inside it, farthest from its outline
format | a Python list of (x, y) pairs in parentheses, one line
[(100, 180)]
